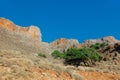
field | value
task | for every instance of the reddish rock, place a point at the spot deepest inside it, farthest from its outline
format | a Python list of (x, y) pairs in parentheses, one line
[(32, 31), (7, 24), (63, 44)]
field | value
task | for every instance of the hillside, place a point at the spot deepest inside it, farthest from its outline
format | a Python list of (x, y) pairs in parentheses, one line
[(23, 56)]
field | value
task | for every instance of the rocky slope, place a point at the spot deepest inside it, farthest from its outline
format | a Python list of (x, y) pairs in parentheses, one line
[(19, 60), (25, 39)]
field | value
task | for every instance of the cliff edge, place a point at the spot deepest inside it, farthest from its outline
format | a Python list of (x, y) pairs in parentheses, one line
[(32, 31)]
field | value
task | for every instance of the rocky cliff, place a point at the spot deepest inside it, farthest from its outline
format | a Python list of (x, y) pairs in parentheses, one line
[(26, 39), (32, 31), (19, 56)]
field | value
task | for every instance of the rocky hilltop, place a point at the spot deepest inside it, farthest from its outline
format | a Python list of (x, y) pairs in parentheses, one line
[(26, 39), (32, 31), (108, 39), (63, 44), (23, 56)]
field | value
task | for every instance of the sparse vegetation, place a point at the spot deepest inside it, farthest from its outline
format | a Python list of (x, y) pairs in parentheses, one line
[(58, 54), (42, 55), (98, 45), (75, 56), (19, 61)]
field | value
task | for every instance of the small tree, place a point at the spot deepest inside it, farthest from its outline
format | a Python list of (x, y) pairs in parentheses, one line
[(86, 55), (75, 56)]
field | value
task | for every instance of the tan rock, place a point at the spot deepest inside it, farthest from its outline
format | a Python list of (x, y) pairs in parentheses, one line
[(63, 44), (108, 39), (25, 39), (32, 31)]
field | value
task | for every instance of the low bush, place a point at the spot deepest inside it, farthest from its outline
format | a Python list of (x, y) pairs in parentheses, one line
[(42, 55), (75, 56), (83, 53), (58, 54), (98, 45)]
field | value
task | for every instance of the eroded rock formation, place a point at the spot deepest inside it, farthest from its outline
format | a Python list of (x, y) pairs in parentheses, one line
[(63, 44), (31, 31), (18, 63), (108, 39), (26, 39)]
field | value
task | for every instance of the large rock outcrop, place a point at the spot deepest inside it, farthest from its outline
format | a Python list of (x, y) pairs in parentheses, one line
[(63, 44), (108, 39), (18, 63), (31, 31), (24, 39)]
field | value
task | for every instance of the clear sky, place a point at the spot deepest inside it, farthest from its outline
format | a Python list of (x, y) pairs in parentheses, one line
[(79, 19)]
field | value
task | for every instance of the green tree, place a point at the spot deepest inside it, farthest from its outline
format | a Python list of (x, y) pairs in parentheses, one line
[(75, 56)]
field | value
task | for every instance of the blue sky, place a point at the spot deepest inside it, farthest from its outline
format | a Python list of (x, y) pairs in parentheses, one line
[(79, 19)]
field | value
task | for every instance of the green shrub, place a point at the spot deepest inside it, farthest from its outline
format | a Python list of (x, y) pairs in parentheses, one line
[(76, 56), (58, 54), (83, 54), (42, 55), (98, 45)]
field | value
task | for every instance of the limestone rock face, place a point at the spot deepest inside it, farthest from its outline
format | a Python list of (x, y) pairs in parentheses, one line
[(24, 39), (63, 44), (31, 31), (34, 32), (108, 39)]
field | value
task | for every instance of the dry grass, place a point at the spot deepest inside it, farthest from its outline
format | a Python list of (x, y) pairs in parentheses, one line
[(15, 65)]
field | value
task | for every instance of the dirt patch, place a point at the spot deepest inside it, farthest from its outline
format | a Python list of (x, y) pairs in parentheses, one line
[(99, 76)]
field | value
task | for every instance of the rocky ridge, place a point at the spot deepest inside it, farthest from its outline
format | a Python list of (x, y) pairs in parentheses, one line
[(19, 60), (63, 44), (108, 39), (31, 31), (25, 39)]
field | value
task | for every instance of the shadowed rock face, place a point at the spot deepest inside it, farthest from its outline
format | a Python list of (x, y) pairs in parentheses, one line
[(31, 31)]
